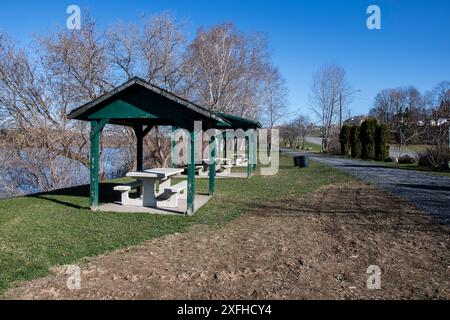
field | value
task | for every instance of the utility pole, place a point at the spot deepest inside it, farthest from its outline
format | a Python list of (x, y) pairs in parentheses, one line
[(340, 110)]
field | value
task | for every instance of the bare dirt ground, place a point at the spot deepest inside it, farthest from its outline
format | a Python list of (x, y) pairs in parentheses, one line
[(315, 247)]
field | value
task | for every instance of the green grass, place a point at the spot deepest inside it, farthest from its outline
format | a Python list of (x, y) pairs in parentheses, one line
[(41, 231), (314, 147), (419, 148)]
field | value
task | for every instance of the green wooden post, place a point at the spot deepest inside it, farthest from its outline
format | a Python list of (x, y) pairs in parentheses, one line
[(212, 164), (94, 162), (236, 145), (249, 142), (174, 144), (96, 130), (191, 175), (224, 139), (255, 149), (138, 130), (139, 148)]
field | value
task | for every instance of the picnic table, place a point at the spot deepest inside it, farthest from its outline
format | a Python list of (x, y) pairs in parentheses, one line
[(239, 158), (149, 178), (218, 160), (222, 164), (225, 160)]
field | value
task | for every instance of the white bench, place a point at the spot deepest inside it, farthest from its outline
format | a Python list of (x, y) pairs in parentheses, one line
[(203, 170), (198, 170), (168, 197), (226, 169), (241, 162), (125, 192), (205, 167)]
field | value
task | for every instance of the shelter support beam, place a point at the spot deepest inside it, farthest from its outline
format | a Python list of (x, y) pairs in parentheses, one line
[(96, 130), (249, 153), (174, 146), (212, 164), (255, 149), (191, 175), (225, 144), (139, 147)]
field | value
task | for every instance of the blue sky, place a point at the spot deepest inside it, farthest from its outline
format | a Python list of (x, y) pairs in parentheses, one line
[(412, 48)]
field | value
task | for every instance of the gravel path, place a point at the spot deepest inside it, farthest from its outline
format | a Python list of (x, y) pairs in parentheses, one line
[(429, 192)]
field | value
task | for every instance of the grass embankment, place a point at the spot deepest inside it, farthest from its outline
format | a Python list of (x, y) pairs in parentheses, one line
[(41, 231), (310, 147)]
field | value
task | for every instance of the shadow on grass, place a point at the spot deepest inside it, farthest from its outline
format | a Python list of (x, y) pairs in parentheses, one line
[(106, 194)]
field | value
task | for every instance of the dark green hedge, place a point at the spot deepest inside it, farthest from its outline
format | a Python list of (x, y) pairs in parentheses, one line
[(355, 141), (344, 139), (368, 129), (381, 142)]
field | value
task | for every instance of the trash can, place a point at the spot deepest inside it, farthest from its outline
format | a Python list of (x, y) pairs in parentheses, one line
[(303, 161)]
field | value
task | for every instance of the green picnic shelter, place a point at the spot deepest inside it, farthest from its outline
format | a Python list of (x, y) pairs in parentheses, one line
[(141, 106)]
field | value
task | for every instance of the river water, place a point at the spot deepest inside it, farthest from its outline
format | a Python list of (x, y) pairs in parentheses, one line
[(112, 160)]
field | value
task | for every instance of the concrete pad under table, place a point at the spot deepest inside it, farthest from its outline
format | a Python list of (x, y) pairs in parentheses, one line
[(200, 200)]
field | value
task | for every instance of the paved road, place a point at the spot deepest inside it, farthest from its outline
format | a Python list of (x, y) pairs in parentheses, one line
[(427, 191)]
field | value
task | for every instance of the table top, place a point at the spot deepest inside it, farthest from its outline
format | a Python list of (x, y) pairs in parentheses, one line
[(218, 159), (155, 173)]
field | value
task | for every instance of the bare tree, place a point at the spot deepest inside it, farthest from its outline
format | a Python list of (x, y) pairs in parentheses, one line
[(441, 98), (383, 109), (161, 45), (69, 69), (153, 52), (303, 128), (437, 133), (223, 69), (122, 48), (294, 132), (228, 67), (329, 83), (402, 109), (407, 130), (274, 98)]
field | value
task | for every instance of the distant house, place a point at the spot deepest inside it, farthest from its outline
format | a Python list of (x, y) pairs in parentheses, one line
[(356, 120), (442, 121), (439, 122)]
